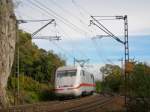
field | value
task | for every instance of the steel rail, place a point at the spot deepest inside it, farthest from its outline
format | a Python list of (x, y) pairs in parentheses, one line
[(91, 106)]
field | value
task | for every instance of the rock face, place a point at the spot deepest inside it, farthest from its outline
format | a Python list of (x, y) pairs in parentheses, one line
[(8, 35)]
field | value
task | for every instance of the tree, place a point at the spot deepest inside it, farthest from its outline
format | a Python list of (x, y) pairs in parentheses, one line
[(139, 88), (35, 62), (112, 78)]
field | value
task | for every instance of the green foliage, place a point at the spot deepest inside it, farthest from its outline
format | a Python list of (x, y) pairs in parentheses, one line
[(98, 86), (34, 62), (139, 88), (36, 70), (139, 81), (112, 78), (26, 83), (138, 85), (30, 91)]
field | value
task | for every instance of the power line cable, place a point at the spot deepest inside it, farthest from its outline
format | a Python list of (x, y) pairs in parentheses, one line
[(42, 20), (105, 29), (42, 8), (56, 15), (78, 18), (62, 49), (83, 54), (79, 6), (98, 52), (49, 14), (88, 13)]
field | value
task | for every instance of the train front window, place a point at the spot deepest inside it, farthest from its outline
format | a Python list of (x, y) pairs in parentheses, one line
[(66, 73)]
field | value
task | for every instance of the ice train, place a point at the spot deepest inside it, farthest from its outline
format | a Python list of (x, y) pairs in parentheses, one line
[(73, 81)]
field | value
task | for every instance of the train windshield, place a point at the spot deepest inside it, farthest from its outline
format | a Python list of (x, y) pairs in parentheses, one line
[(66, 78), (67, 73)]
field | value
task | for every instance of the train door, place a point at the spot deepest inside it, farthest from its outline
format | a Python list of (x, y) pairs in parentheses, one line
[(82, 75)]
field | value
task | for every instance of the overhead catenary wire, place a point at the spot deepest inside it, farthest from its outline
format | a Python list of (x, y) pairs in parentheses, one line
[(98, 52), (62, 49), (59, 17), (86, 12), (103, 28), (78, 18), (79, 6), (50, 15), (68, 12), (65, 33), (83, 54), (110, 61), (93, 42)]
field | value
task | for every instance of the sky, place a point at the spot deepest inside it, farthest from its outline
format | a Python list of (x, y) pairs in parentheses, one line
[(72, 20)]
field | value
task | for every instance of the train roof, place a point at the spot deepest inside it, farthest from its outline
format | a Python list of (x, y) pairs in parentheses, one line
[(68, 68), (72, 68)]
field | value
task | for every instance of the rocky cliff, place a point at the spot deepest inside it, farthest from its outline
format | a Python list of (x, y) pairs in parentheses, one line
[(8, 35)]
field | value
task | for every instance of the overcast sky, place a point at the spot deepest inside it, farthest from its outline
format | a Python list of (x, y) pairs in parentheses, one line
[(72, 18)]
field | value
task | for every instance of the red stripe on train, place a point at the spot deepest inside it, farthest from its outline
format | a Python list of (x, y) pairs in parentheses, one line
[(58, 89), (86, 84), (81, 85)]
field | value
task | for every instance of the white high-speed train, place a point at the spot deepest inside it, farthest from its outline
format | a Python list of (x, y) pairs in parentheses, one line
[(74, 81)]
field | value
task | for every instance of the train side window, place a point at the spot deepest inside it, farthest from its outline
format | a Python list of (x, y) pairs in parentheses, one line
[(93, 79), (83, 73), (91, 76)]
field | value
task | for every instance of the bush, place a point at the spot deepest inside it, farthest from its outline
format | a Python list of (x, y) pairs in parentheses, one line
[(98, 86), (139, 88), (112, 80), (30, 91)]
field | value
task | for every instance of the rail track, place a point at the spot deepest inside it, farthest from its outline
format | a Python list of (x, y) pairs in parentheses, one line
[(85, 104), (91, 106)]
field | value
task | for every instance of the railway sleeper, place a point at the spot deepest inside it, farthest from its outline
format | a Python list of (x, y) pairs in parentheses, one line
[(91, 106)]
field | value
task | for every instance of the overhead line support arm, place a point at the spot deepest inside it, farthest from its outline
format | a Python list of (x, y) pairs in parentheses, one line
[(42, 27), (102, 27)]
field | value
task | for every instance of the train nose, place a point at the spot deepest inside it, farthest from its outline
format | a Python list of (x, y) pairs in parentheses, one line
[(67, 91)]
